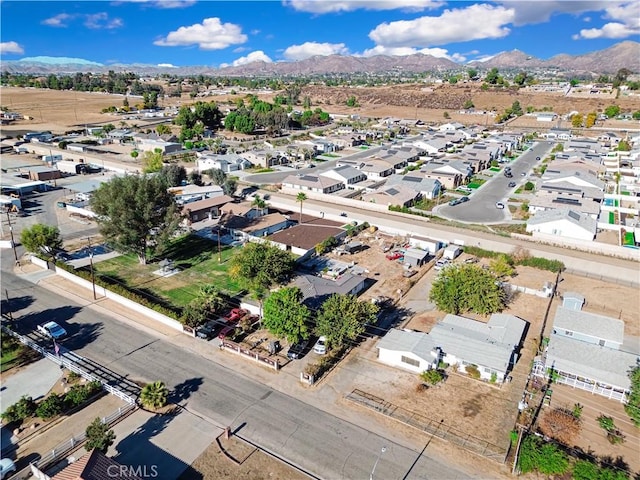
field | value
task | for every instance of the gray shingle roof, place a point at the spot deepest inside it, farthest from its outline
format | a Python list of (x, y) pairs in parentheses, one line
[(597, 326), (418, 343), (602, 364)]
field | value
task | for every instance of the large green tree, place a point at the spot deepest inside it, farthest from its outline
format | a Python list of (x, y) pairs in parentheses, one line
[(342, 318), (301, 198), (467, 288), (285, 315), (99, 436), (633, 405), (152, 161), (136, 213), (259, 265), (174, 174), (41, 238)]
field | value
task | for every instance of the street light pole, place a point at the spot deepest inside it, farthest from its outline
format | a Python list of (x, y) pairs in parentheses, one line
[(382, 450)]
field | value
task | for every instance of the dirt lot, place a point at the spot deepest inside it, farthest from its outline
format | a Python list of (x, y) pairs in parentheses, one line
[(61, 110), (234, 459)]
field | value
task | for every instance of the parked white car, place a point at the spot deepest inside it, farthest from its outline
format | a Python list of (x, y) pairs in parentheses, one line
[(440, 264), (321, 346), (52, 330), (7, 467)]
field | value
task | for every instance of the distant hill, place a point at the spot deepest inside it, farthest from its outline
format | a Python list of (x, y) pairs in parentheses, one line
[(622, 55)]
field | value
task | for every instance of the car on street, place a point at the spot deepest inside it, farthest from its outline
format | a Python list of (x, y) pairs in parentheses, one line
[(464, 199), (523, 174), (52, 330), (343, 214), (500, 205), (7, 467), (512, 184), (297, 350), (321, 346), (508, 174), (538, 158)]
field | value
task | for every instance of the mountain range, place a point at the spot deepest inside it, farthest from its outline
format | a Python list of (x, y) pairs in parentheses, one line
[(621, 55)]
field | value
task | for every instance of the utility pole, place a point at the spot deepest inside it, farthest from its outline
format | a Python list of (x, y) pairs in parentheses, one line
[(93, 280), (9, 313), (219, 248), (13, 243)]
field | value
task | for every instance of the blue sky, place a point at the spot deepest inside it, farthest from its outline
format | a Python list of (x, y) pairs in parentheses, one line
[(213, 33)]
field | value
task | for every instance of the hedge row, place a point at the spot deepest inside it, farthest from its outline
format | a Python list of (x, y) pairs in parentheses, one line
[(535, 262)]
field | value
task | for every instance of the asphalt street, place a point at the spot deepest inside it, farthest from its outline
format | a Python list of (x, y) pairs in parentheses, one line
[(317, 441), (481, 207)]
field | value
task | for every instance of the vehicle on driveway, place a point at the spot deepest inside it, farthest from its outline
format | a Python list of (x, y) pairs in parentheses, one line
[(297, 350), (226, 332), (207, 331), (394, 255), (7, 467), (52, 330), (234, 315), (440, 264), (321, 346)]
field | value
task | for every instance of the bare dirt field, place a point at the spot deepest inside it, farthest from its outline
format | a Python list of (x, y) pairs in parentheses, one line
[(59, 111), (234, 459)]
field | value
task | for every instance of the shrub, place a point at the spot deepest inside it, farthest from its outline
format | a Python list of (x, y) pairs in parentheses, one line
[(73, 377), (577, 410), (494, 377), (472, 371), (546, 458), (442, 365), (50, 406), (421, 388), (23, 408), (76, 395), (432, 376), (513, 436)]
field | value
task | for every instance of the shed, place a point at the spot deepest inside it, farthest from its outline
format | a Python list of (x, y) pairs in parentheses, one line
[(43, 173), (415, 257), (353, 247)]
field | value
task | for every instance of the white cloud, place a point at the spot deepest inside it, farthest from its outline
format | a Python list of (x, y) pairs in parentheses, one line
[(586, 19), (256, 56), (332, 6), (609, 30), (626, 22), (101, 20), (60, 20), (484, 58), (166, 65), (527, 12), (309, 49), (458, 25), (404, 51), (211, 34), (95, 21), (10, 47), (166, 4)]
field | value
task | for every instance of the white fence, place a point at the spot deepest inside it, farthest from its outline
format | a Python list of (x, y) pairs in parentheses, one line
[(68, 364), (582, 245)]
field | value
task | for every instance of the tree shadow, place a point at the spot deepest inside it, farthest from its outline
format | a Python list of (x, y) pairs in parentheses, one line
[(147, 459), (15, 304), (183, 390), (29, 322)]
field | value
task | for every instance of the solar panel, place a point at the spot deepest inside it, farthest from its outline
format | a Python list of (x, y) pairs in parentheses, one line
[(568, 201), (574, 215), (392, 191), (412, 179), (309, 178)]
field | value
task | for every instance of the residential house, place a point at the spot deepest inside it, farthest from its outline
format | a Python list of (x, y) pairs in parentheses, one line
[(347, 174), (96, 465), (451, 174), (302, 239), (433, 145), (316, 290), (429, 188), (409, 350), (578, 179), (205, 209), (153, 145), (562, 134), (449, 127), (544, 116), (243, 228), (491, 347), (244, 209), (120, 134), (568, 188), (589, 352), (375, 168), (313, 183), (563, 222), (397, 195), (191, 193), (229, 162)]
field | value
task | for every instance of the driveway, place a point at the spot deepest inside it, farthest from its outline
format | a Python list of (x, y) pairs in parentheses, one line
[(164, 444), (481, 207), (34, 380)]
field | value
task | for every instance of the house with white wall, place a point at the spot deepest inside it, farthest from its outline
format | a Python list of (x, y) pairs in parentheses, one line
[(313, 183), (428, 188), (563, 223)]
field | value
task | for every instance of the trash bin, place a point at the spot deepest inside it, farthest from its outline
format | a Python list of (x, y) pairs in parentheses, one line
[(273, 347)]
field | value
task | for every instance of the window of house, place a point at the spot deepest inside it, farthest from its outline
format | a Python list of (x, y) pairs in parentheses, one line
[(410, 361)]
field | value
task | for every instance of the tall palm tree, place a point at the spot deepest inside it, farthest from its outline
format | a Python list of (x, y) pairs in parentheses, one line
[(301, 197), (154, 395), (259, 203)]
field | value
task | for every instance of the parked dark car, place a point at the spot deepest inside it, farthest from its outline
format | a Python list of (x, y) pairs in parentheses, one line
[(297, 350), (512, 184)]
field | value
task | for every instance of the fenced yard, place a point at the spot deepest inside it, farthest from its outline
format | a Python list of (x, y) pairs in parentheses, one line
[(194, 262)]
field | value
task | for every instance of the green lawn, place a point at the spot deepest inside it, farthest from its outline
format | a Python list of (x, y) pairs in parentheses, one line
[(9, 359), (196, 257), (495, 169), (476, 183), (629, 239), (612, 218)]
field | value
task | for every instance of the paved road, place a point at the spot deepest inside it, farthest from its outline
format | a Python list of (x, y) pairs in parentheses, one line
[(321, 443), (481, 205), (593, 265)]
